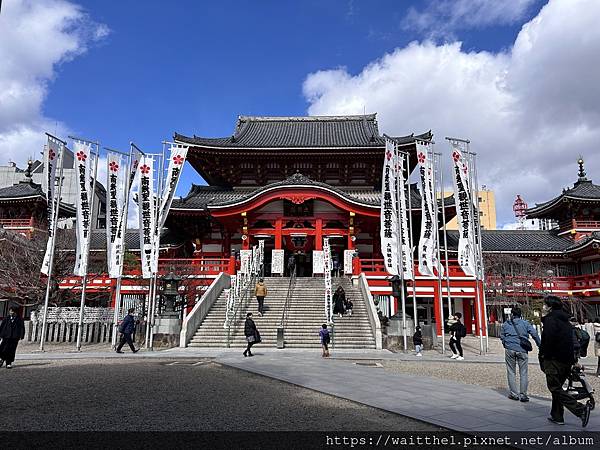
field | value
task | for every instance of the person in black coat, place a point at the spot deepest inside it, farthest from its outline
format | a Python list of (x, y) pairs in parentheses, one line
[(12, 330), (251, 333), (127, 328), (557, 356), (339, 299)]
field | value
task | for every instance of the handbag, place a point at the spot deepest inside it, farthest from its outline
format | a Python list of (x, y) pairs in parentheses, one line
[(257, 339), (598, 337), (524, 341)]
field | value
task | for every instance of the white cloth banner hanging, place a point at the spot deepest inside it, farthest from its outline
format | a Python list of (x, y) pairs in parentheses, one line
[(231, 296), (116, 179), (407, 265), (147, 217), (318, 263), (348, 257), (327, 276), (245, 258), (82, 165), (428, 240), (261, 256), (462, 198), (51, 160), (277, 256), (176, 161), (389, 210)]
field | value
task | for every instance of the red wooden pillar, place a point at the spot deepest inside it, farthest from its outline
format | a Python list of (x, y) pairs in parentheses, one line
[(231, 268), (278, 234), (480, 287), (437, 301), (467, 305), (246, 242), (351, 231), (476, 309), (319, 234)]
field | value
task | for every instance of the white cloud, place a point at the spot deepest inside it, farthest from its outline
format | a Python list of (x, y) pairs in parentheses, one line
[(37, 36), (440, 18), (529, 111)]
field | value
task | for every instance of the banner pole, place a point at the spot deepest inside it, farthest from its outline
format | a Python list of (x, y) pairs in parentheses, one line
[(410, 240), (123, 229), (473, 228), (400, 251), (437, 242), (445, 234), (87, 252), (55, 215), (480, 256)]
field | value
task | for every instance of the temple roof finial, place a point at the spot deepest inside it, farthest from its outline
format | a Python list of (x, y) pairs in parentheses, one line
[(28, 170), (581, 174)]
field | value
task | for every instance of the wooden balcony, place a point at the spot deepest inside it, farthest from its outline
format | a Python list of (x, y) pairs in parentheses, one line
[(17, 224), (377, 267), (578, 285)]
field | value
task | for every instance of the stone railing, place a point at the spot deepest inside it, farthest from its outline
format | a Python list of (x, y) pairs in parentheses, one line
[(371, 310)]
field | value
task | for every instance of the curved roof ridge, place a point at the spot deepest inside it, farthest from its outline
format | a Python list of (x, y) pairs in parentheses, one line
[(242, 118)]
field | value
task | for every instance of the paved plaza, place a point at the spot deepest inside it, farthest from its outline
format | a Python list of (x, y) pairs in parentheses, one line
[(376, 379)]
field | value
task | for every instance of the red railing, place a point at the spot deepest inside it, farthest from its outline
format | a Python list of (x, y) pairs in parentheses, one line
[(377, 267), (576, 285), (16, 223), (573, 224)]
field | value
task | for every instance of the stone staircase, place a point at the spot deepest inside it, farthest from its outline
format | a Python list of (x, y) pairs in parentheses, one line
[(305, 316)]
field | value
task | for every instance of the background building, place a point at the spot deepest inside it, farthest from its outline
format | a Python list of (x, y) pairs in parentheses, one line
[(487, 210)]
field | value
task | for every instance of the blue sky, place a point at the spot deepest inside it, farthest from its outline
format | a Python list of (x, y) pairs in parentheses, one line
[(519, 78), (192, 66)]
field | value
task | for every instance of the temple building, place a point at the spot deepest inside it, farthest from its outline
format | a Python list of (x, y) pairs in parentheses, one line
[(288, 182)]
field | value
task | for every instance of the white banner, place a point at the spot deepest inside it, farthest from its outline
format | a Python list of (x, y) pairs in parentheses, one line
[(261, 256), (318, 263), (176, 161), (348, 256), (277, 266), (82, 164), (462, 197), (231, 296), (147, 218), (428, 241), (116, 179), (407, 266), (327, 276), (389, 210), (245, 258), (51, 161)]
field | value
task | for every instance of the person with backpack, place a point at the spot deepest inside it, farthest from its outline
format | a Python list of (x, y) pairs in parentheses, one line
[(325, 339), (515, 339), (597, 342), (418, 341), (457, 332), (557, 357), (581, 338)]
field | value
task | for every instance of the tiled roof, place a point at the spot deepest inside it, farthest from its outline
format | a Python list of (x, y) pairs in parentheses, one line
[(301, 132), (132, 240), (22, 190), (200, 197), (583, 190), (517, 241)]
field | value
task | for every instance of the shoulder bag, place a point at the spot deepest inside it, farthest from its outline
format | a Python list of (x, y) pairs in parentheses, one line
[(524, 341)]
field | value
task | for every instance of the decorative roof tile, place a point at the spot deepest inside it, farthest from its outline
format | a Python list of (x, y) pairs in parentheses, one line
[(583, 190), (517, 241)]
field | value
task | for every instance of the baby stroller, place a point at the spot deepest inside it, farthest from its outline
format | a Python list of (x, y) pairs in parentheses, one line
[(578, 387)]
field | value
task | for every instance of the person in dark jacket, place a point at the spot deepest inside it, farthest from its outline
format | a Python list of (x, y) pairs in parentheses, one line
[(251, 333), (557, 355), (418, 341), (457, 332), (126, 329), (339, 298), (12, 330), (514, 353), (325, 339)]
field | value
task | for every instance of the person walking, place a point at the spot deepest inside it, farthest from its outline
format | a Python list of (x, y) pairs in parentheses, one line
[(127, 328), (291, 264), (12, 330), (251, 333), (260, 290), (339, 298), (325, 339), (596, 335), (418, 341), (515, 339), (557, 356), (457, 332)]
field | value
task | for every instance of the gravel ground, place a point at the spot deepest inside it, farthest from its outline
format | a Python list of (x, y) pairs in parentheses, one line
[(492, 375), (144, 394)]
